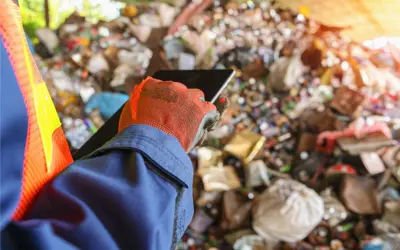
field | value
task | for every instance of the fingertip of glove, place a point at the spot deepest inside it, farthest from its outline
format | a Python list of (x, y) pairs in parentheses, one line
[(222, 104)]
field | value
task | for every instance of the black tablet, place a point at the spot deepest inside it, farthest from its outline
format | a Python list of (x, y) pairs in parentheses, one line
[(211, 82)]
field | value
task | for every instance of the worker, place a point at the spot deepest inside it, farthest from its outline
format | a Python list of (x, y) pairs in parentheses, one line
[(133, 193)]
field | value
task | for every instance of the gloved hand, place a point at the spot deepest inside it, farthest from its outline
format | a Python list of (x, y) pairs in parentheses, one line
[(172, 108)]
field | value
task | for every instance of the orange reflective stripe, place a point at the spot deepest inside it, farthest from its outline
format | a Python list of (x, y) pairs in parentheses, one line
[(46, 149)]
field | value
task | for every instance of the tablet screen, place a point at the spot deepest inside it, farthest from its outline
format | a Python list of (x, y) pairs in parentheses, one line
[(211, 82)]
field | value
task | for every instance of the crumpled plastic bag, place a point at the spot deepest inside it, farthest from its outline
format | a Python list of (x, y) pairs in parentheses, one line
[(392, 213), (287, 211), (380, 78), (61, 81), (139, 58), (150, 20), (200, 44), (140, 31), (257, 174), (284, 73), (86, 91), (335, 212), (393, 239), (67, 29), (392, 159), (49, 38), (97, 64), (167, 13), (121, 73), (198, 22), (384, 227), (250, 242), (108, 103)]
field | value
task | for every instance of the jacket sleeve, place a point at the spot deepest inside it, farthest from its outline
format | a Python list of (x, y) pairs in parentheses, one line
[(133, 193)]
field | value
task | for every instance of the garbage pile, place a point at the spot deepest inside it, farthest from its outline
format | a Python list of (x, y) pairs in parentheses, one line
[(307, 156), (88, 67)]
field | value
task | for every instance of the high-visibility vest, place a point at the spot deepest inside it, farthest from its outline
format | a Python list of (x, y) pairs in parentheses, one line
[(46, 150)]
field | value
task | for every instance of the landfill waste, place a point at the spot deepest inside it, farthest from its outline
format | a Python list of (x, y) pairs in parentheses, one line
[(91, 67), (288, 211), (307, 156), (306, 105)]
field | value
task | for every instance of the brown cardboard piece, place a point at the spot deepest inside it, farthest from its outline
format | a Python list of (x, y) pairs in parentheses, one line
[(245, 145), (236, 210), (359, 195), (347, 101)]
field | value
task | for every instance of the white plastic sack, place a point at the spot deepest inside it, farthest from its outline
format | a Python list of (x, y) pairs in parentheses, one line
[(287, 211)]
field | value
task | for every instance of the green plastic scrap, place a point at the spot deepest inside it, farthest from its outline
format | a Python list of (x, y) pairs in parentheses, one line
[(345, 227), (285, 169)]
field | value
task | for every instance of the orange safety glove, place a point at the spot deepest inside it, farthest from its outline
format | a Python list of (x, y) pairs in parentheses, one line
[(172, 108)]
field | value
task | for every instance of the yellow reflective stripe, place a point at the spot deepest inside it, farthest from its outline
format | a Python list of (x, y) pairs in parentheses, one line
[(46, 114), (47, 119)]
